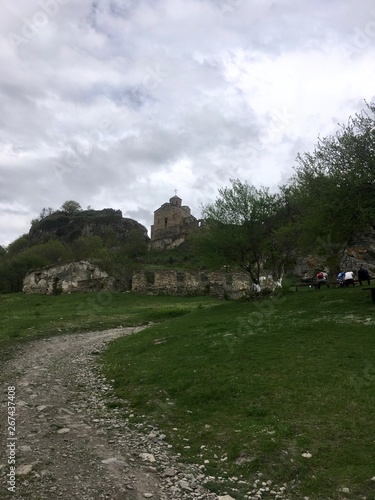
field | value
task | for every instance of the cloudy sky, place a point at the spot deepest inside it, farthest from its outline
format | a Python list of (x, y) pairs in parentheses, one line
[(117, 103)]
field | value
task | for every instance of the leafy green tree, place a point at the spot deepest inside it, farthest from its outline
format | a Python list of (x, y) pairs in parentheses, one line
[(18, 245), (241, 229), (50, 252), (13, 271), (71, 207), (45, 212), (86, 247), (333, 190), (135, 245)]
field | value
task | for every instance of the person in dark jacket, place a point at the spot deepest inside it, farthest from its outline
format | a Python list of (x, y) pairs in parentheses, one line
[(363, 275)]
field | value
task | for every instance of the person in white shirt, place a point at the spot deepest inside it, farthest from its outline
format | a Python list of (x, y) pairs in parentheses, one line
[(349, 278)]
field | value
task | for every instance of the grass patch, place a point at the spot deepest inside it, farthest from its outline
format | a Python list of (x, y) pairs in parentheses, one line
[(27, 317), (251, 387)]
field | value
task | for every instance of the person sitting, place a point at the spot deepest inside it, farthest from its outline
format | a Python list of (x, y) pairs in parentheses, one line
[(349, 278), (340, 278), (321, 279), (363, 275)]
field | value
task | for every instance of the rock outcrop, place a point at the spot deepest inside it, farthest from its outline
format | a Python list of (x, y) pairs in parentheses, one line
[(360, 251), (79, 276), (106, 223)]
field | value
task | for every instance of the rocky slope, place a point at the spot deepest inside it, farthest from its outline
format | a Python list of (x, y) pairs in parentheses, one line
[(106, 223)]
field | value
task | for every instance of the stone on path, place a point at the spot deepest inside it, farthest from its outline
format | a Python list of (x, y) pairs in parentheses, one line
[(64, 430), (22, 470), (147, 456)]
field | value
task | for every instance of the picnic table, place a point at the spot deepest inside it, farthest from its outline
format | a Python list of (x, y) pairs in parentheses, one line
[(312, 283)]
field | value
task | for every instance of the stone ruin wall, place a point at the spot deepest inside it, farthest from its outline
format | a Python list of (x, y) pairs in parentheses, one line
[(83, 276), (78, 276), (171, 282)]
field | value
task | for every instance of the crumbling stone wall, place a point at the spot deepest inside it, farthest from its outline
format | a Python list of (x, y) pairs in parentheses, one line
[(171, 282), (78, 276)]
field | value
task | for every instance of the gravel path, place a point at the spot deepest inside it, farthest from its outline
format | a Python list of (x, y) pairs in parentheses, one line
[(69, 444)]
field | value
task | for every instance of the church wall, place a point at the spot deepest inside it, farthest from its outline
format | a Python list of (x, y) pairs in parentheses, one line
[(171, 224)]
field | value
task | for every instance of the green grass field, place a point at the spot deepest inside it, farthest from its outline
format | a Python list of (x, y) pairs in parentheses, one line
[(251, 387), (26, 317)]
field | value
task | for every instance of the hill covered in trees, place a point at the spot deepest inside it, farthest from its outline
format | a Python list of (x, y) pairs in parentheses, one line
[(70, 233)]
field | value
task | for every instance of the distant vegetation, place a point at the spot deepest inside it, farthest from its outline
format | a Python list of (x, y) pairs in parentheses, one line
[(59, 235)]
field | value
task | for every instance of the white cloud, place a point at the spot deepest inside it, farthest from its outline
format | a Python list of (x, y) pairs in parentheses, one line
[(116, 104)]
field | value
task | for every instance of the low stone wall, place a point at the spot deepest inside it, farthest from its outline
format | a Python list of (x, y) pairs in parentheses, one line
[(78, 276), (171, 282)]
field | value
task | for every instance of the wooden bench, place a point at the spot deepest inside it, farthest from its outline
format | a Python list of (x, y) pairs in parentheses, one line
[(311, 284), (297, 285), (372, 293)]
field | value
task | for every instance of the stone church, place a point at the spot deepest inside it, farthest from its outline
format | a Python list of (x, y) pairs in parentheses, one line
[(172, 223)]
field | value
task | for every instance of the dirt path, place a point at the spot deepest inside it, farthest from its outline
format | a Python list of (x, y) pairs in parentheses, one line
[(69, 444)]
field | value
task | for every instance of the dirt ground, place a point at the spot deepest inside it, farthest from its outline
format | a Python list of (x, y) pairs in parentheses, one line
[(69, 444)]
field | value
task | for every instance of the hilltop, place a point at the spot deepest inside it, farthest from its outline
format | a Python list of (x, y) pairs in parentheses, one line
[(67, 227), (104, 237)]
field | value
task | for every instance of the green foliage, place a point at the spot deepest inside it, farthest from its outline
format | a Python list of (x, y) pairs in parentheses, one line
[(45, 212), (18, 245), (13, 270), (86, 247), (57, 237), (182, 257), (50, 252), (20, 259), (71, 207), (334, 186), (135, 246), (326, 204), (241, 228)]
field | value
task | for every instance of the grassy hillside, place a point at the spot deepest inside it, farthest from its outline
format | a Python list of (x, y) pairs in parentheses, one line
[(284, 388), (26, 317)]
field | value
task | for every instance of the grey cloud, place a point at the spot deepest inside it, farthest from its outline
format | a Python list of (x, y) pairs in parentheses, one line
[(105, 102)]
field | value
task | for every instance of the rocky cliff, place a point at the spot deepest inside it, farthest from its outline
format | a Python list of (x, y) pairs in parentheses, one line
[(107, 223), (360, 251)]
